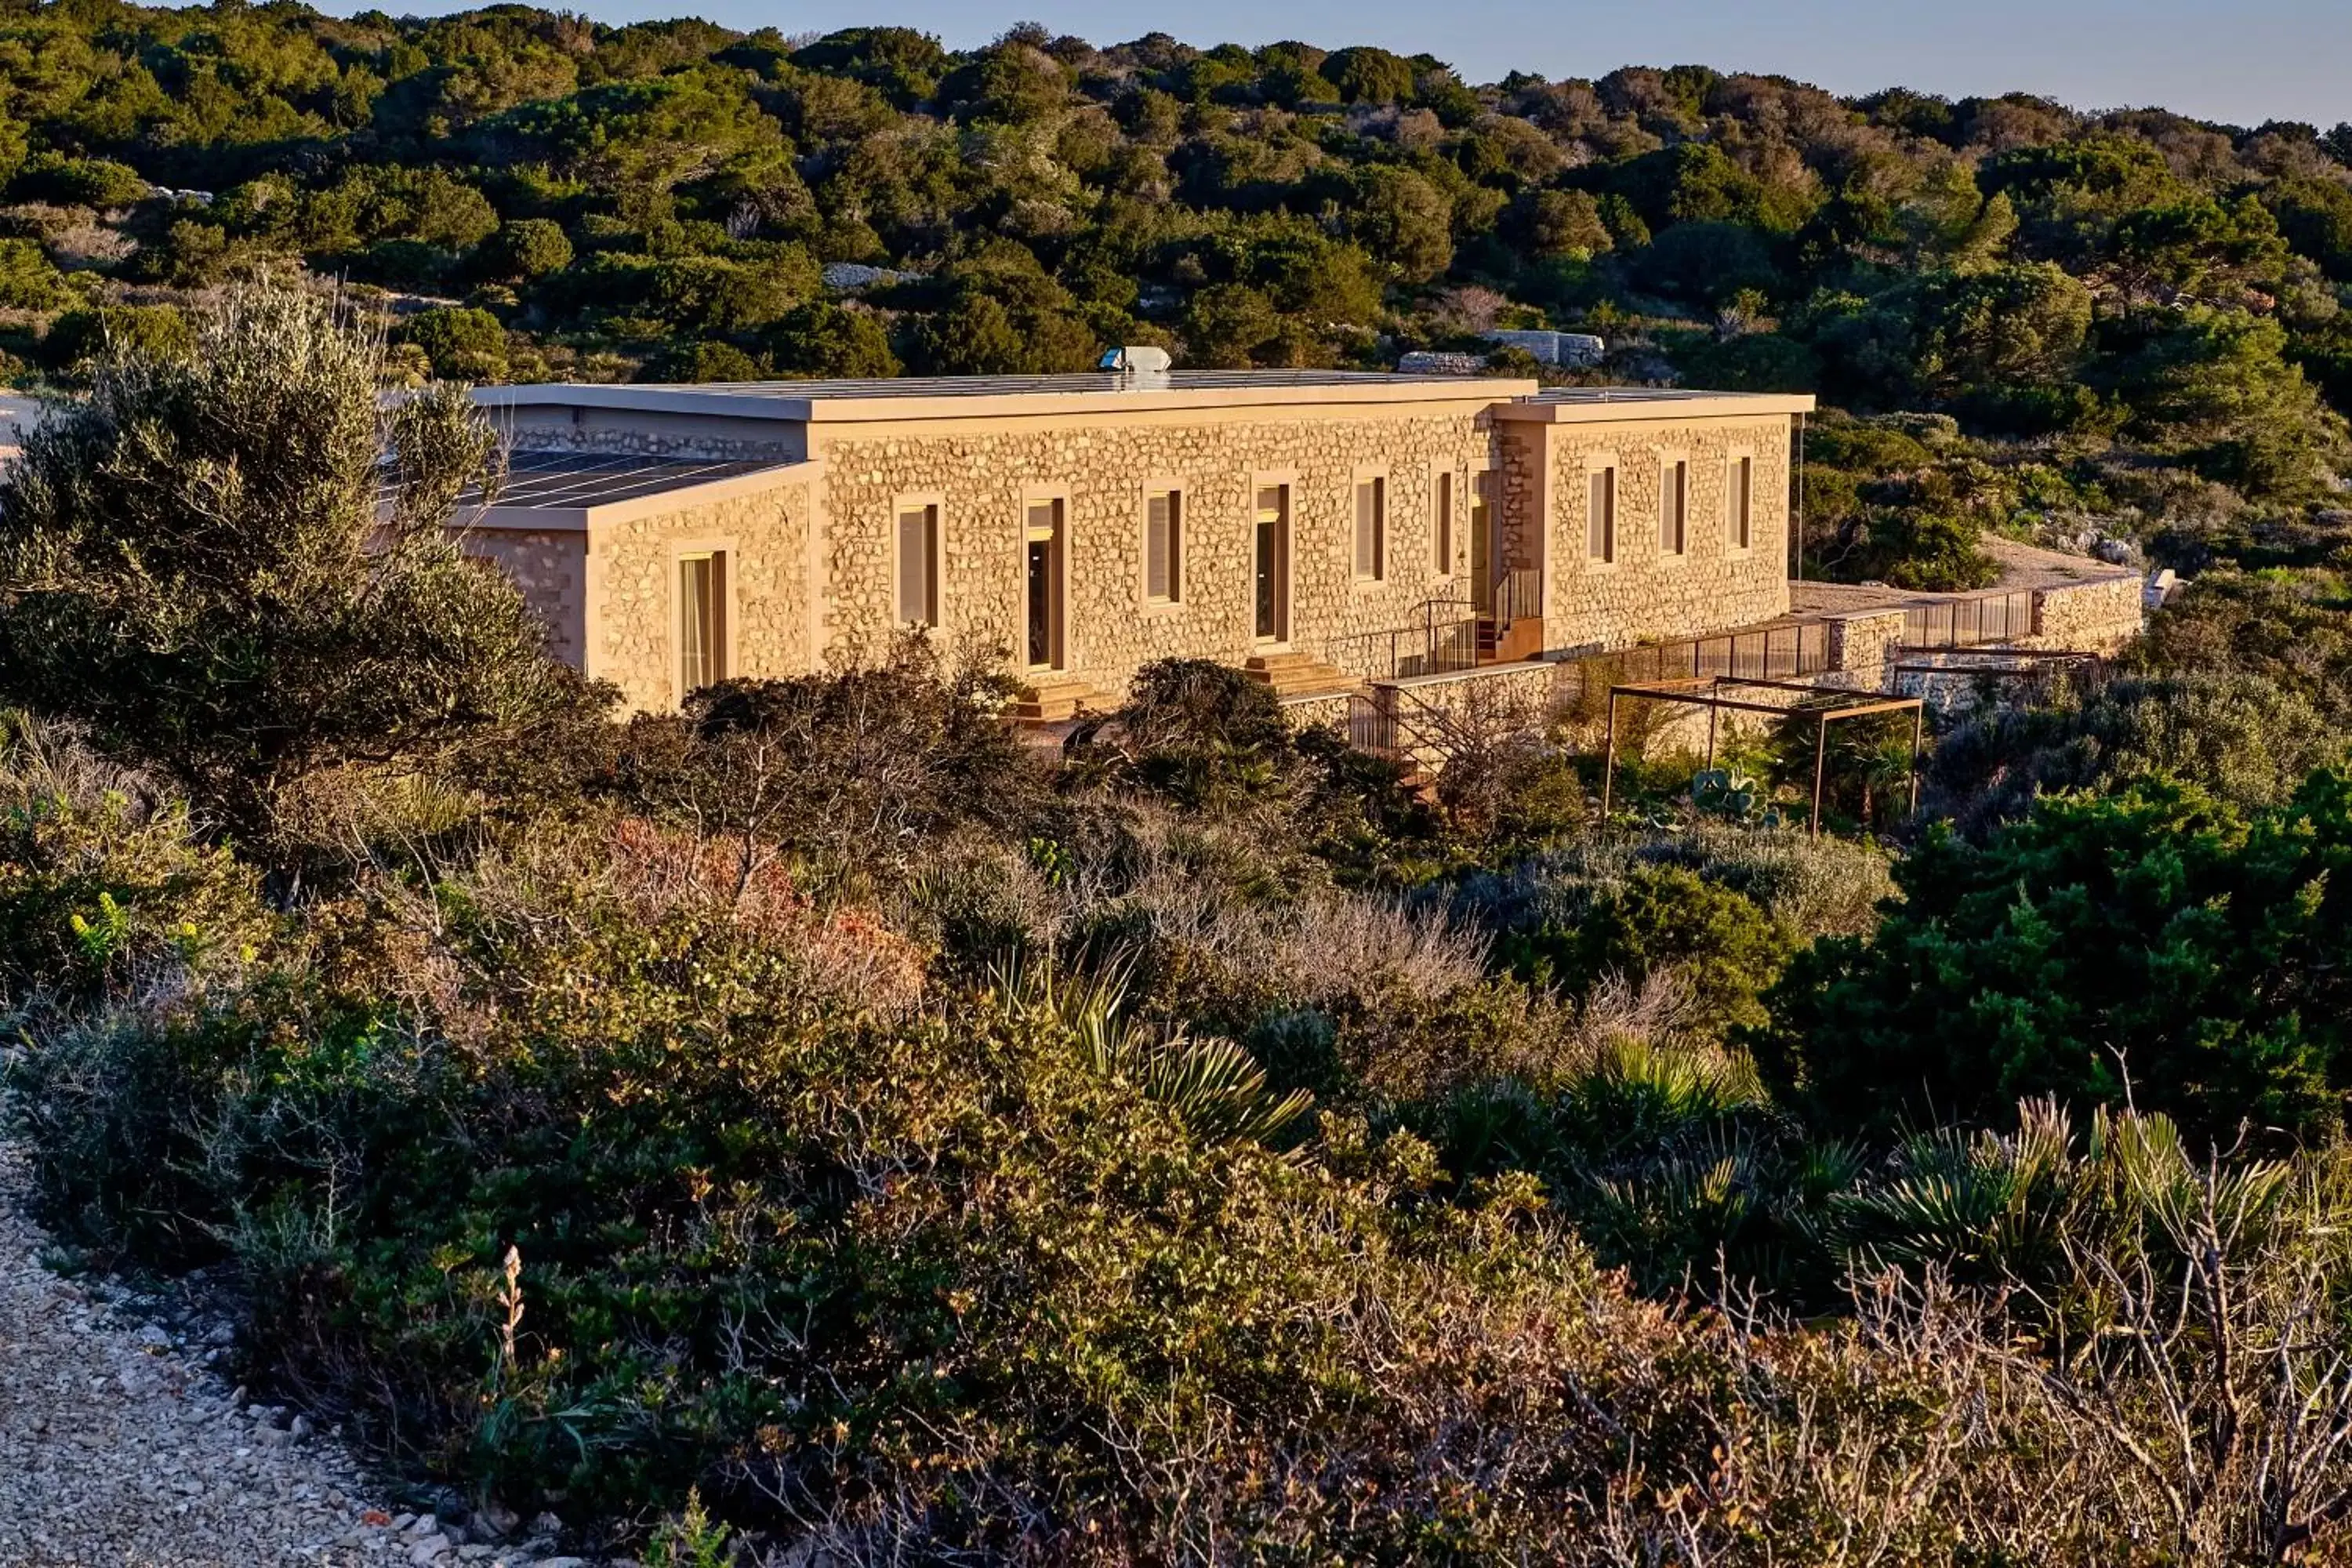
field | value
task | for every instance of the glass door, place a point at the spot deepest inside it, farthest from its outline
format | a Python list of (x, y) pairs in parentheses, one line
[(1272, 622), (1042, 634)]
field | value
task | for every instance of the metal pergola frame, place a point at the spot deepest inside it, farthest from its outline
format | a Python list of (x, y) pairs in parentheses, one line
[(1714, 702)]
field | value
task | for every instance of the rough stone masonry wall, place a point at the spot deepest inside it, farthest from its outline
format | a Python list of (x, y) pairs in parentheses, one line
[(1862, 645), (2097, 617), (1645, 594), (1102, 469), (550, 566), (632, 586)]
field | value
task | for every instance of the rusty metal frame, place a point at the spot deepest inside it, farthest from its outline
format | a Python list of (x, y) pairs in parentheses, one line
[(1714, 702)]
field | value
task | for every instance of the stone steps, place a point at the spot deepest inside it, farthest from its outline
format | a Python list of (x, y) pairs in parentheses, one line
[(1057, 700), (1293, 676)]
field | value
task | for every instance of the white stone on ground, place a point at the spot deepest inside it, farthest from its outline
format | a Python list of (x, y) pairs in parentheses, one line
[(119, 1449)]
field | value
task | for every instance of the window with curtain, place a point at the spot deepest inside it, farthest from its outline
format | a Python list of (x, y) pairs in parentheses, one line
[(1674, 505), (702, 621), (1372, 528), (1163, 546), (918, 548)]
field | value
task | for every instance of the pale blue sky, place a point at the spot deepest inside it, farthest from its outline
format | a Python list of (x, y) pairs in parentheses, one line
[(2238, 60)]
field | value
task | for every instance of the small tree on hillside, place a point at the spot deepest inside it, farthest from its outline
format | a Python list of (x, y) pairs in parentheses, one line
[(232, 565)]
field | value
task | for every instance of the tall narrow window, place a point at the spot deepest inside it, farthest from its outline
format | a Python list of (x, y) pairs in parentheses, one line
[(1674, 505), (1372, 529), (1600, 516), (702, 621), (1443, 526), (918, 549), (1163, 546), (1739, 488)]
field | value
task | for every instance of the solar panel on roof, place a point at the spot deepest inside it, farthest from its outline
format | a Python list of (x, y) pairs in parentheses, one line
[(544, 481)]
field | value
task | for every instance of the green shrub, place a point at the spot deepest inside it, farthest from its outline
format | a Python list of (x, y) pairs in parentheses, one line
[(1723, 950), (150, 331), (212, 542), (78, 181), (2152, 945), (524, 250), (1935, 552), (103, 882), (28, 280), (2238, 737), (464, 344)]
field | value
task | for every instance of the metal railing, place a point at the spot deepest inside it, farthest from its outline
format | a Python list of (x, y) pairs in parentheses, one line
[(1445, 635), (1516, 595), (1397, 725), (1431, 647), (1786, 652), (1969, 622), (1371, 726)]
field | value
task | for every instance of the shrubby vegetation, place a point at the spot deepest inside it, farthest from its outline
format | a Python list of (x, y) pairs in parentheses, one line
[(822, 1115), (1196, 1143)]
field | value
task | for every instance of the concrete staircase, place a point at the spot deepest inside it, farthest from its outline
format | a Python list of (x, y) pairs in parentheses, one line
[(1293, 676), (1056, 699)]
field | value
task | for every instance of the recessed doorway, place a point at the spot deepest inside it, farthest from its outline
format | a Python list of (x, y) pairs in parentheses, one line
[(1047, 571), (1272, 622)]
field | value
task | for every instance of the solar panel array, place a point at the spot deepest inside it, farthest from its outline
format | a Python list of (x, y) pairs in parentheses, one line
[(550, 482)]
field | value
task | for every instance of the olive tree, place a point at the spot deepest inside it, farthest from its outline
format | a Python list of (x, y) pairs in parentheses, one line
[(231, 563)]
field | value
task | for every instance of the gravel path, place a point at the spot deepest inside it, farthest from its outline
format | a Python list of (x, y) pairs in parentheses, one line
[(119, 1449)]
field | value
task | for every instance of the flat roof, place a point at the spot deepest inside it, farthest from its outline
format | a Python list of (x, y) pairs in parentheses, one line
[(1573, 405), (1096, 392), (970, 397), (565, 489)]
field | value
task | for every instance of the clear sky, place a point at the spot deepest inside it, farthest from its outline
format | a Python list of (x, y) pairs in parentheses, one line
[(2242, 61)]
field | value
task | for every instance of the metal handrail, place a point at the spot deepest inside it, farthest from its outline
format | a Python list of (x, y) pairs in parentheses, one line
[(1789, 651), (1970, 620), (1395, 724), (1400, 653), (1518, 596), (1435, 642)]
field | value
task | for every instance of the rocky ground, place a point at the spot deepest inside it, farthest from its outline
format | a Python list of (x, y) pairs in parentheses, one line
[(121, 1447)]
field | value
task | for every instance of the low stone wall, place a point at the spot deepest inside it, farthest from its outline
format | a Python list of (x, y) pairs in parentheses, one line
[(2098, 616), (1529, 687), (1862, 645), (1319, 712)]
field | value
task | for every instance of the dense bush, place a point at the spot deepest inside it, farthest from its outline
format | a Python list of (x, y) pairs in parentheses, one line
[(2152, 946), (1663, 919), (2243, 739)]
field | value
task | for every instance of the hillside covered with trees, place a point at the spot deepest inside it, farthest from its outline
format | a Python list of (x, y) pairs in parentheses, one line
[(2152, 306)]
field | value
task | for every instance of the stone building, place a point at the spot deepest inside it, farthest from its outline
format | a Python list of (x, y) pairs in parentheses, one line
[(1323, 528)]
